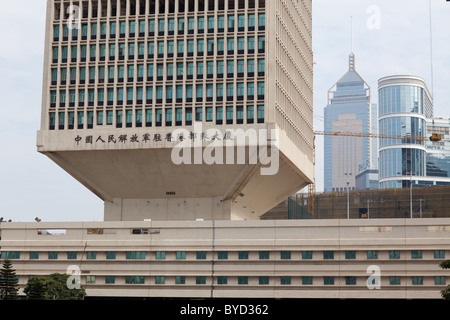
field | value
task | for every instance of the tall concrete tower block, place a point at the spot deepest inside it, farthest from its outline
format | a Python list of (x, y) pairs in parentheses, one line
[(180, 109)]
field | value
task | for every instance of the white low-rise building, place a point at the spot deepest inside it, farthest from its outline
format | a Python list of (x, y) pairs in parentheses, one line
[(232, 259)]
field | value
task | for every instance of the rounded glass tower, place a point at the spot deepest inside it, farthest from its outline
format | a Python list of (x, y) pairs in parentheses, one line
[(404, 105)]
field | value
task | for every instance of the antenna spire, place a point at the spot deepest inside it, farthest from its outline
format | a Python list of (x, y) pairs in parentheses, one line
[(431, 49), (351, 28), (351, 58)]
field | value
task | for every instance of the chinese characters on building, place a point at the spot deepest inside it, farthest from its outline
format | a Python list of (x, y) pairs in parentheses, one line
[(147, 137)]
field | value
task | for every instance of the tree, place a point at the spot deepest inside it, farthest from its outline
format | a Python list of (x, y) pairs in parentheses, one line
[(36, 288), (445, 293), (8, 281), (58, 290), (445, 264), (52, 287)]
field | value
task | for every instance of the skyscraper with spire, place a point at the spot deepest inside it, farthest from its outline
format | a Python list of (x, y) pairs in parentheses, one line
[(349, 109)]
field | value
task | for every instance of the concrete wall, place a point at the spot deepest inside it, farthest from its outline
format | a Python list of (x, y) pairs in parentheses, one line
[(177, 209)]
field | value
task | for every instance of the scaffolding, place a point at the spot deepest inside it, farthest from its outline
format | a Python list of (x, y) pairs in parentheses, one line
[(427, 202)]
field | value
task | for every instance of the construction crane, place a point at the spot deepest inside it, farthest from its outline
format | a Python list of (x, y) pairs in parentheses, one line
[(375, 135), (312, 187)]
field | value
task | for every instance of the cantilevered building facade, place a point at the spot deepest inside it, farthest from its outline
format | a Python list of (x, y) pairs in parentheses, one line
[(126, 82)]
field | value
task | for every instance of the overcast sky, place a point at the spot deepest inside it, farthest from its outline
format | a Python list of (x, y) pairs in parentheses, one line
[(390, 37)]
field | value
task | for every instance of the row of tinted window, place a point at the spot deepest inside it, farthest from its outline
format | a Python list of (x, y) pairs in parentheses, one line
[(401, 98), (160, 26), (168, 71), (121, 8), (402, 162), (162, 94), (90, 255), (148, 118), (221, 255), (262, 280), (169, 47), (407, 127)]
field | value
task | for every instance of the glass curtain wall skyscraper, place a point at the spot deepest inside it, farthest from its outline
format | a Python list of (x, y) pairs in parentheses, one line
[(349, 110), (405, 104), (418, 159)]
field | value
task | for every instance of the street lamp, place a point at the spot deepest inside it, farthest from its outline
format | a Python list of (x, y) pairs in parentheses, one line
[(348, 196), (410, 193), (368, 208), (421, 206)]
